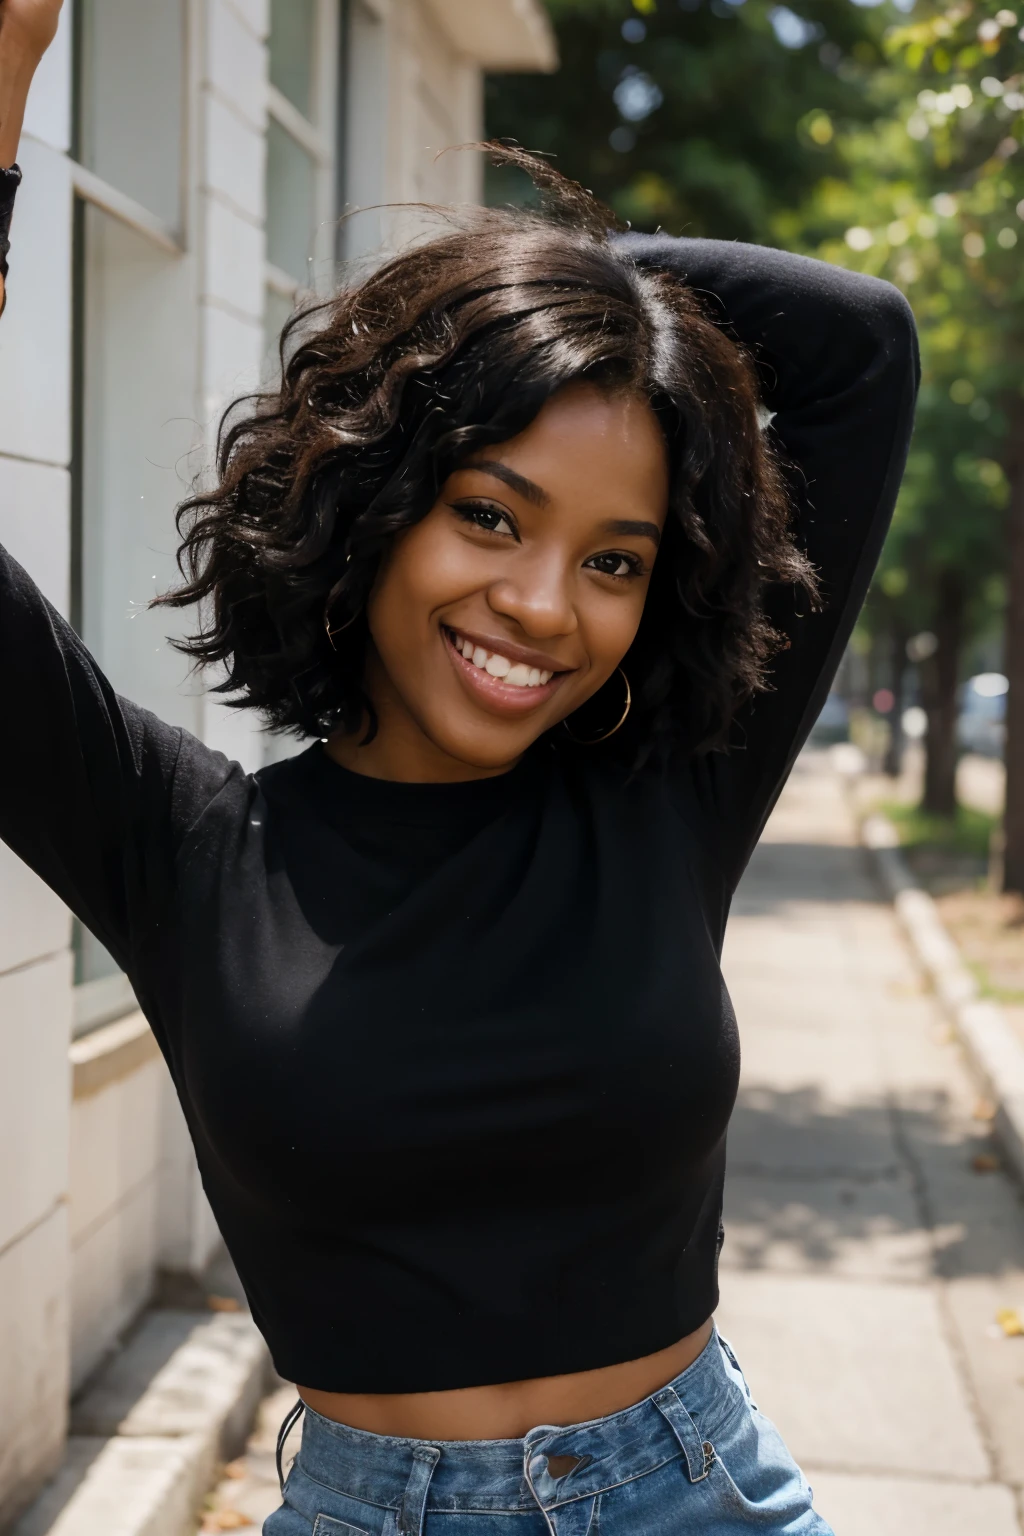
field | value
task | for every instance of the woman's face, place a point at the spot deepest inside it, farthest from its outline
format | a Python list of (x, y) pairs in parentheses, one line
[(516, 597)]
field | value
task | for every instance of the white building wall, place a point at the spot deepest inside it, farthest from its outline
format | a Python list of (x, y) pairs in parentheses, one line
[(106, 1188), (35, 993)]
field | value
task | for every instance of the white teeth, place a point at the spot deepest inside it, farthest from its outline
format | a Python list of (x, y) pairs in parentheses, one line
[(520, 675)]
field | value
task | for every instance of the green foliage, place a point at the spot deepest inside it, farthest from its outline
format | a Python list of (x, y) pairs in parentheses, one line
[(969, 832), (723, 127), (914, 204)]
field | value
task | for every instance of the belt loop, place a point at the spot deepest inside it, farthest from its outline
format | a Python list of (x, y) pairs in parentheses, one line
[(699, 1454), (414, 1501)]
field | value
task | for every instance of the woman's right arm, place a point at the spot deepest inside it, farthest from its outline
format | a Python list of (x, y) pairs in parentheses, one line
[(95, 793)]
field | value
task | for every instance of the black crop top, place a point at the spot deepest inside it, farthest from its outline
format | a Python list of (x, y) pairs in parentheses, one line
[(458, 1060)]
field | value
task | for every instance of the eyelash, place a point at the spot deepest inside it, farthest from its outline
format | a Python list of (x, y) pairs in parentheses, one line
[(472, 512), (635, 564)]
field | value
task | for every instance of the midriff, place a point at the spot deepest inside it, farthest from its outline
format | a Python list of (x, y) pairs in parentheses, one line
[(509, 1410)]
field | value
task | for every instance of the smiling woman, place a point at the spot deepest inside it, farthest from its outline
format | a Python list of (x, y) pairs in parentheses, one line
[(441, 995), (349, 508), (509, 605)]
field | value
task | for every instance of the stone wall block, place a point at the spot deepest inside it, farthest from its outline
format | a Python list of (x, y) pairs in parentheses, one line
[(34, 1356)]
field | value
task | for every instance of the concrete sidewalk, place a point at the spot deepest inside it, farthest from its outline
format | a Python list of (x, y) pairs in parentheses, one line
[(865, 1258)]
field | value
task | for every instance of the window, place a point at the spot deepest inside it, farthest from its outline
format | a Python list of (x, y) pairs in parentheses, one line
[(364, 127), (129, 107), (130, 365), (304, 50)]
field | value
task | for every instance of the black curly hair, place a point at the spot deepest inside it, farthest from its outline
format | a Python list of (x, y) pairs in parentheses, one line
[(448, 346)]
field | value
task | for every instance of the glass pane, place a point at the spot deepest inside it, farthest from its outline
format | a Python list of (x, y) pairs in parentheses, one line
[(291, 207), (292, 24), (364, 106), (131, 61), (276, 311)]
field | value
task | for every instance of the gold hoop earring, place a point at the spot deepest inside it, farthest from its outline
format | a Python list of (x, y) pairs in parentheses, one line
[(592, 741)]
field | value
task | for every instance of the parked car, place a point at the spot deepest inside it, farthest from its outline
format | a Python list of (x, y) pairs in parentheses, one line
[(833, 724), (981, 723)]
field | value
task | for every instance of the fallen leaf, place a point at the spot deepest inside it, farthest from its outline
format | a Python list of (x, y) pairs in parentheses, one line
[(1011, 1322), (225, 1520), (984, 1162), (223, 1304), (984, 1109), (236, 1469)]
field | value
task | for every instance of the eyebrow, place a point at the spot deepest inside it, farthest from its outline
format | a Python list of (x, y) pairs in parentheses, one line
[(528, 489), (626, 527)]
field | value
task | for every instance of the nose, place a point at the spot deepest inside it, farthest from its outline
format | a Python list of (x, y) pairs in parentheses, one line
[(538, 595)]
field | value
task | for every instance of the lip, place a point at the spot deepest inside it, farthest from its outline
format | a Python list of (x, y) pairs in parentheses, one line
[(500, 697)]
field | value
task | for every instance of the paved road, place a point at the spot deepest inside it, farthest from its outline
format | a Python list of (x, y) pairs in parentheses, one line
[(865, 1260)]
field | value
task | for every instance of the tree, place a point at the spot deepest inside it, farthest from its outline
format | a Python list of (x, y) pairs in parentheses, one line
[(968, 61), (701, 117)]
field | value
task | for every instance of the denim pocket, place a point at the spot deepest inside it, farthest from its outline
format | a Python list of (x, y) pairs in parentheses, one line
[(325, 1525), (754, 1473)]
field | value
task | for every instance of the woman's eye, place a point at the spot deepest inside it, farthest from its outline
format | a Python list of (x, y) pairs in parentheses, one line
[(483, 515), (613, 564)]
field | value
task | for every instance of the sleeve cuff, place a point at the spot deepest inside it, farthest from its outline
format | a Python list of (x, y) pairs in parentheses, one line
[(10, 180)]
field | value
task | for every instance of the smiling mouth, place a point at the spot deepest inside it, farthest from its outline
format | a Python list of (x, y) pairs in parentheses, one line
[(496, 678)]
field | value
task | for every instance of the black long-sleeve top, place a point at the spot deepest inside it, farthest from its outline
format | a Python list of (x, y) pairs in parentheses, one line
[(458, 1059)]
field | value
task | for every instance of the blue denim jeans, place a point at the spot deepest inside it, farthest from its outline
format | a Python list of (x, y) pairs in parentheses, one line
[(695, 1456)]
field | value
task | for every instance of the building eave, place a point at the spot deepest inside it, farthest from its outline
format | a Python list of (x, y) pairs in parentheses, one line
[(502, 36)]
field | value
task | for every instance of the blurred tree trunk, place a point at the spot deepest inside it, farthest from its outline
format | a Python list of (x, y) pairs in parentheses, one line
[(1013, 858), (898, 638), (939, 679)]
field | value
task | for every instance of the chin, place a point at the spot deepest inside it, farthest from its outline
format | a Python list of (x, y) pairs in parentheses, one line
[(486, 749)]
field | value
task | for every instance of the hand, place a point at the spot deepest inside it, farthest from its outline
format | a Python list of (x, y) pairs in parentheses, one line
[(27, 28), (30, 24)]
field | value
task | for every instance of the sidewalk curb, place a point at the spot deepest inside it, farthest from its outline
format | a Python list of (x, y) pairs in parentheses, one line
[(993, 1049), (146, 1438)]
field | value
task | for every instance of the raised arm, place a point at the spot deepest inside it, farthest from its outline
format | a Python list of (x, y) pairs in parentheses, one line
[(837, 357)]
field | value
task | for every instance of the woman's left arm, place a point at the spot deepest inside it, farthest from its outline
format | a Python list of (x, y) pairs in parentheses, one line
[(837, 358)]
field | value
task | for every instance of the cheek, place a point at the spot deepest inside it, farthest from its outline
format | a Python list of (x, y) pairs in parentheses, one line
[(609, 625), (427, 569)]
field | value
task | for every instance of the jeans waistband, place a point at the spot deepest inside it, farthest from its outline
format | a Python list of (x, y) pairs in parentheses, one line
[(508, 1475)]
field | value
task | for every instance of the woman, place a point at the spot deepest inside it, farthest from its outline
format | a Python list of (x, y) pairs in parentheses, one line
[(441, 995)]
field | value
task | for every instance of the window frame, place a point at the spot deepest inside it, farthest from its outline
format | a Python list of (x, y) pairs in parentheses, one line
[(317, 136), (93, 188)]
